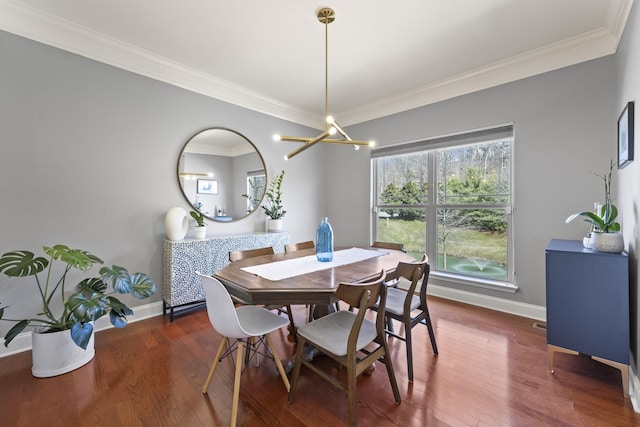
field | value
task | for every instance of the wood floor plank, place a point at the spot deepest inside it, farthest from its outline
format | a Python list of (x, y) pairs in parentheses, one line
[(491, 371)]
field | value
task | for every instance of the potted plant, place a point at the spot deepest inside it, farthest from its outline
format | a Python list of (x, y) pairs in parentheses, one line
[(273, 207), (605, 233), (72, 323), (201, 226)]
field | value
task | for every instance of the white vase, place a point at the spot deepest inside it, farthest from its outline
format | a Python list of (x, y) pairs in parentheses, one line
[(275, 225), (55, 353), (176, 223), (607, 242), (200, 232)]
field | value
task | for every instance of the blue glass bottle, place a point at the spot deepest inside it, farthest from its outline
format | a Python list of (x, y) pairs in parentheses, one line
[(324, 241)]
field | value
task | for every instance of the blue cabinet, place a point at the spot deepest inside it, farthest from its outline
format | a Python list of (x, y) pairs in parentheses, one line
[(588, 304)]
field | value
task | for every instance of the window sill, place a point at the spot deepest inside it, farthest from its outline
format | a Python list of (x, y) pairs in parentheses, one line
[(439, 278)]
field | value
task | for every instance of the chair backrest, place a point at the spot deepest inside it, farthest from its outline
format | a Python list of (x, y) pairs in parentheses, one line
[(250, 253), (389, 245), (363, 296), (299, 246), (414, 272), (220, 307)]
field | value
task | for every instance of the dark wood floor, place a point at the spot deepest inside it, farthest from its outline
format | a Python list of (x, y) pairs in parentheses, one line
[(491, 371)]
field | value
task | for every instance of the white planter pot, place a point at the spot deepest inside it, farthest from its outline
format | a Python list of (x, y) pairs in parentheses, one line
[(275, 225), (607, 242), (176, 223), (55, 353), (200, 232)]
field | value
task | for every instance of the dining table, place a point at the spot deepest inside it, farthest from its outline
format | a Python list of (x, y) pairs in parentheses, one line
[(299, 278)]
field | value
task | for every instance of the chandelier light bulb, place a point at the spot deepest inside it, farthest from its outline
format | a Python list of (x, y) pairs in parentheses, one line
[(277, 137)]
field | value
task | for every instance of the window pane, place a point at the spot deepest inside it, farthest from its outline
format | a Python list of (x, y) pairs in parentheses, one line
[(475, 174), (473, 242), (255, 189), (402, 180), (411, 232)]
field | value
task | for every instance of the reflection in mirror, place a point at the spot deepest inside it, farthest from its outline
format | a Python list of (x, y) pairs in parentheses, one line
[(221, 174)]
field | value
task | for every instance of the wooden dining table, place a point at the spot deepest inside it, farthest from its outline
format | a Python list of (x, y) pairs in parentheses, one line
[(313, 288)]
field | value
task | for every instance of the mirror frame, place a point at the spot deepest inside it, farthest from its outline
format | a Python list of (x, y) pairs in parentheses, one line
[(182, 189)]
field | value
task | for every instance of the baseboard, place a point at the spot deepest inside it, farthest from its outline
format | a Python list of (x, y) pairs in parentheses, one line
[(499, 304), (23, 341), (634, 385)]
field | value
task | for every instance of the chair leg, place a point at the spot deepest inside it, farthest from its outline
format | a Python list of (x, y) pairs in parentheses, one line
[(215, 363), (292, 324), (432, 335), (409, 347), (351, 391), (296, 369), (236, 386), (392, 376), (283, 374)]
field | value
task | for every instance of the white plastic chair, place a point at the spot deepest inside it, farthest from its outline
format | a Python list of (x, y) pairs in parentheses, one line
[(243, 324)]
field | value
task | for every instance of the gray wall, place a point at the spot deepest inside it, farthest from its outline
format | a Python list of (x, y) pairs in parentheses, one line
[(88, 159), (628, 179), (564, 129), (89, 154)]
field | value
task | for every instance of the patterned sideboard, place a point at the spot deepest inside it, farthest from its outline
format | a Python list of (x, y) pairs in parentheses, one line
[(181, 259)]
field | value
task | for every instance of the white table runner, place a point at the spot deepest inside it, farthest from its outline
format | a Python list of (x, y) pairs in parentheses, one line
[(295, 267)]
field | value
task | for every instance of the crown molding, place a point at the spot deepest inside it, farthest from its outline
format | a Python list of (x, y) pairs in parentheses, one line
[(42, 27), (36, 25), (569, 52)]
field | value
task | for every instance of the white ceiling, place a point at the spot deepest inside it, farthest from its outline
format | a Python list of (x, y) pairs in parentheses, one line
[(384, 56)]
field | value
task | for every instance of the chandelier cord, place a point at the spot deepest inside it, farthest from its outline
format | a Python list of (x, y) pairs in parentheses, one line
[(326, 73)]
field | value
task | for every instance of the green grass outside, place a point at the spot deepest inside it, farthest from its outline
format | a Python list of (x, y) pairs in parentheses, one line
[(461, 243)]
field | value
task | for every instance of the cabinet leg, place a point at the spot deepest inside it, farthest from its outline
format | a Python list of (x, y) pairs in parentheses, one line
[(550, 349), (624, 370)]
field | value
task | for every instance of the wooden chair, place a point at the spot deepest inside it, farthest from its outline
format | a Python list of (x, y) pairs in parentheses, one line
[(291, 247), (407, 307), (249, 253), (243, 324), (344, 334), (389, 245), (237, 255)]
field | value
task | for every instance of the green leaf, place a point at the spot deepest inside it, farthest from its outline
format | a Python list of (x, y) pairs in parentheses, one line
[(118, 313), (76, 258), (91, 285), (117, 277), (22, 264), (13, 332), (142, 286), (85, 308), (81, 334)]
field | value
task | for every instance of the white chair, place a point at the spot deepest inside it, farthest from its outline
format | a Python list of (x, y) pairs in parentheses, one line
[(243, 324)]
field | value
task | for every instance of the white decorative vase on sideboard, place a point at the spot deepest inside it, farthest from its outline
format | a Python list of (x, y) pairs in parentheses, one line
[(176, 223)]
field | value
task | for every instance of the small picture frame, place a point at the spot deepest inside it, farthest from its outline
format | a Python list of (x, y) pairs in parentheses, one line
[(625, 136), (207, 186)]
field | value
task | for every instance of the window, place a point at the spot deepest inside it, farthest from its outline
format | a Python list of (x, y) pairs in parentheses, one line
[(450, 198), (256, 181)]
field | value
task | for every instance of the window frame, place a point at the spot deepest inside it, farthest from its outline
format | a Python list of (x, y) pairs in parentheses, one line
[(432, 146)]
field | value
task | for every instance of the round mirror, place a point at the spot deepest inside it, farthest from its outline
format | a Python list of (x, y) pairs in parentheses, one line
[(221, 174)]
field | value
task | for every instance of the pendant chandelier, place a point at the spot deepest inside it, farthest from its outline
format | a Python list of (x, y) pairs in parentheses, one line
[(331, 127)]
